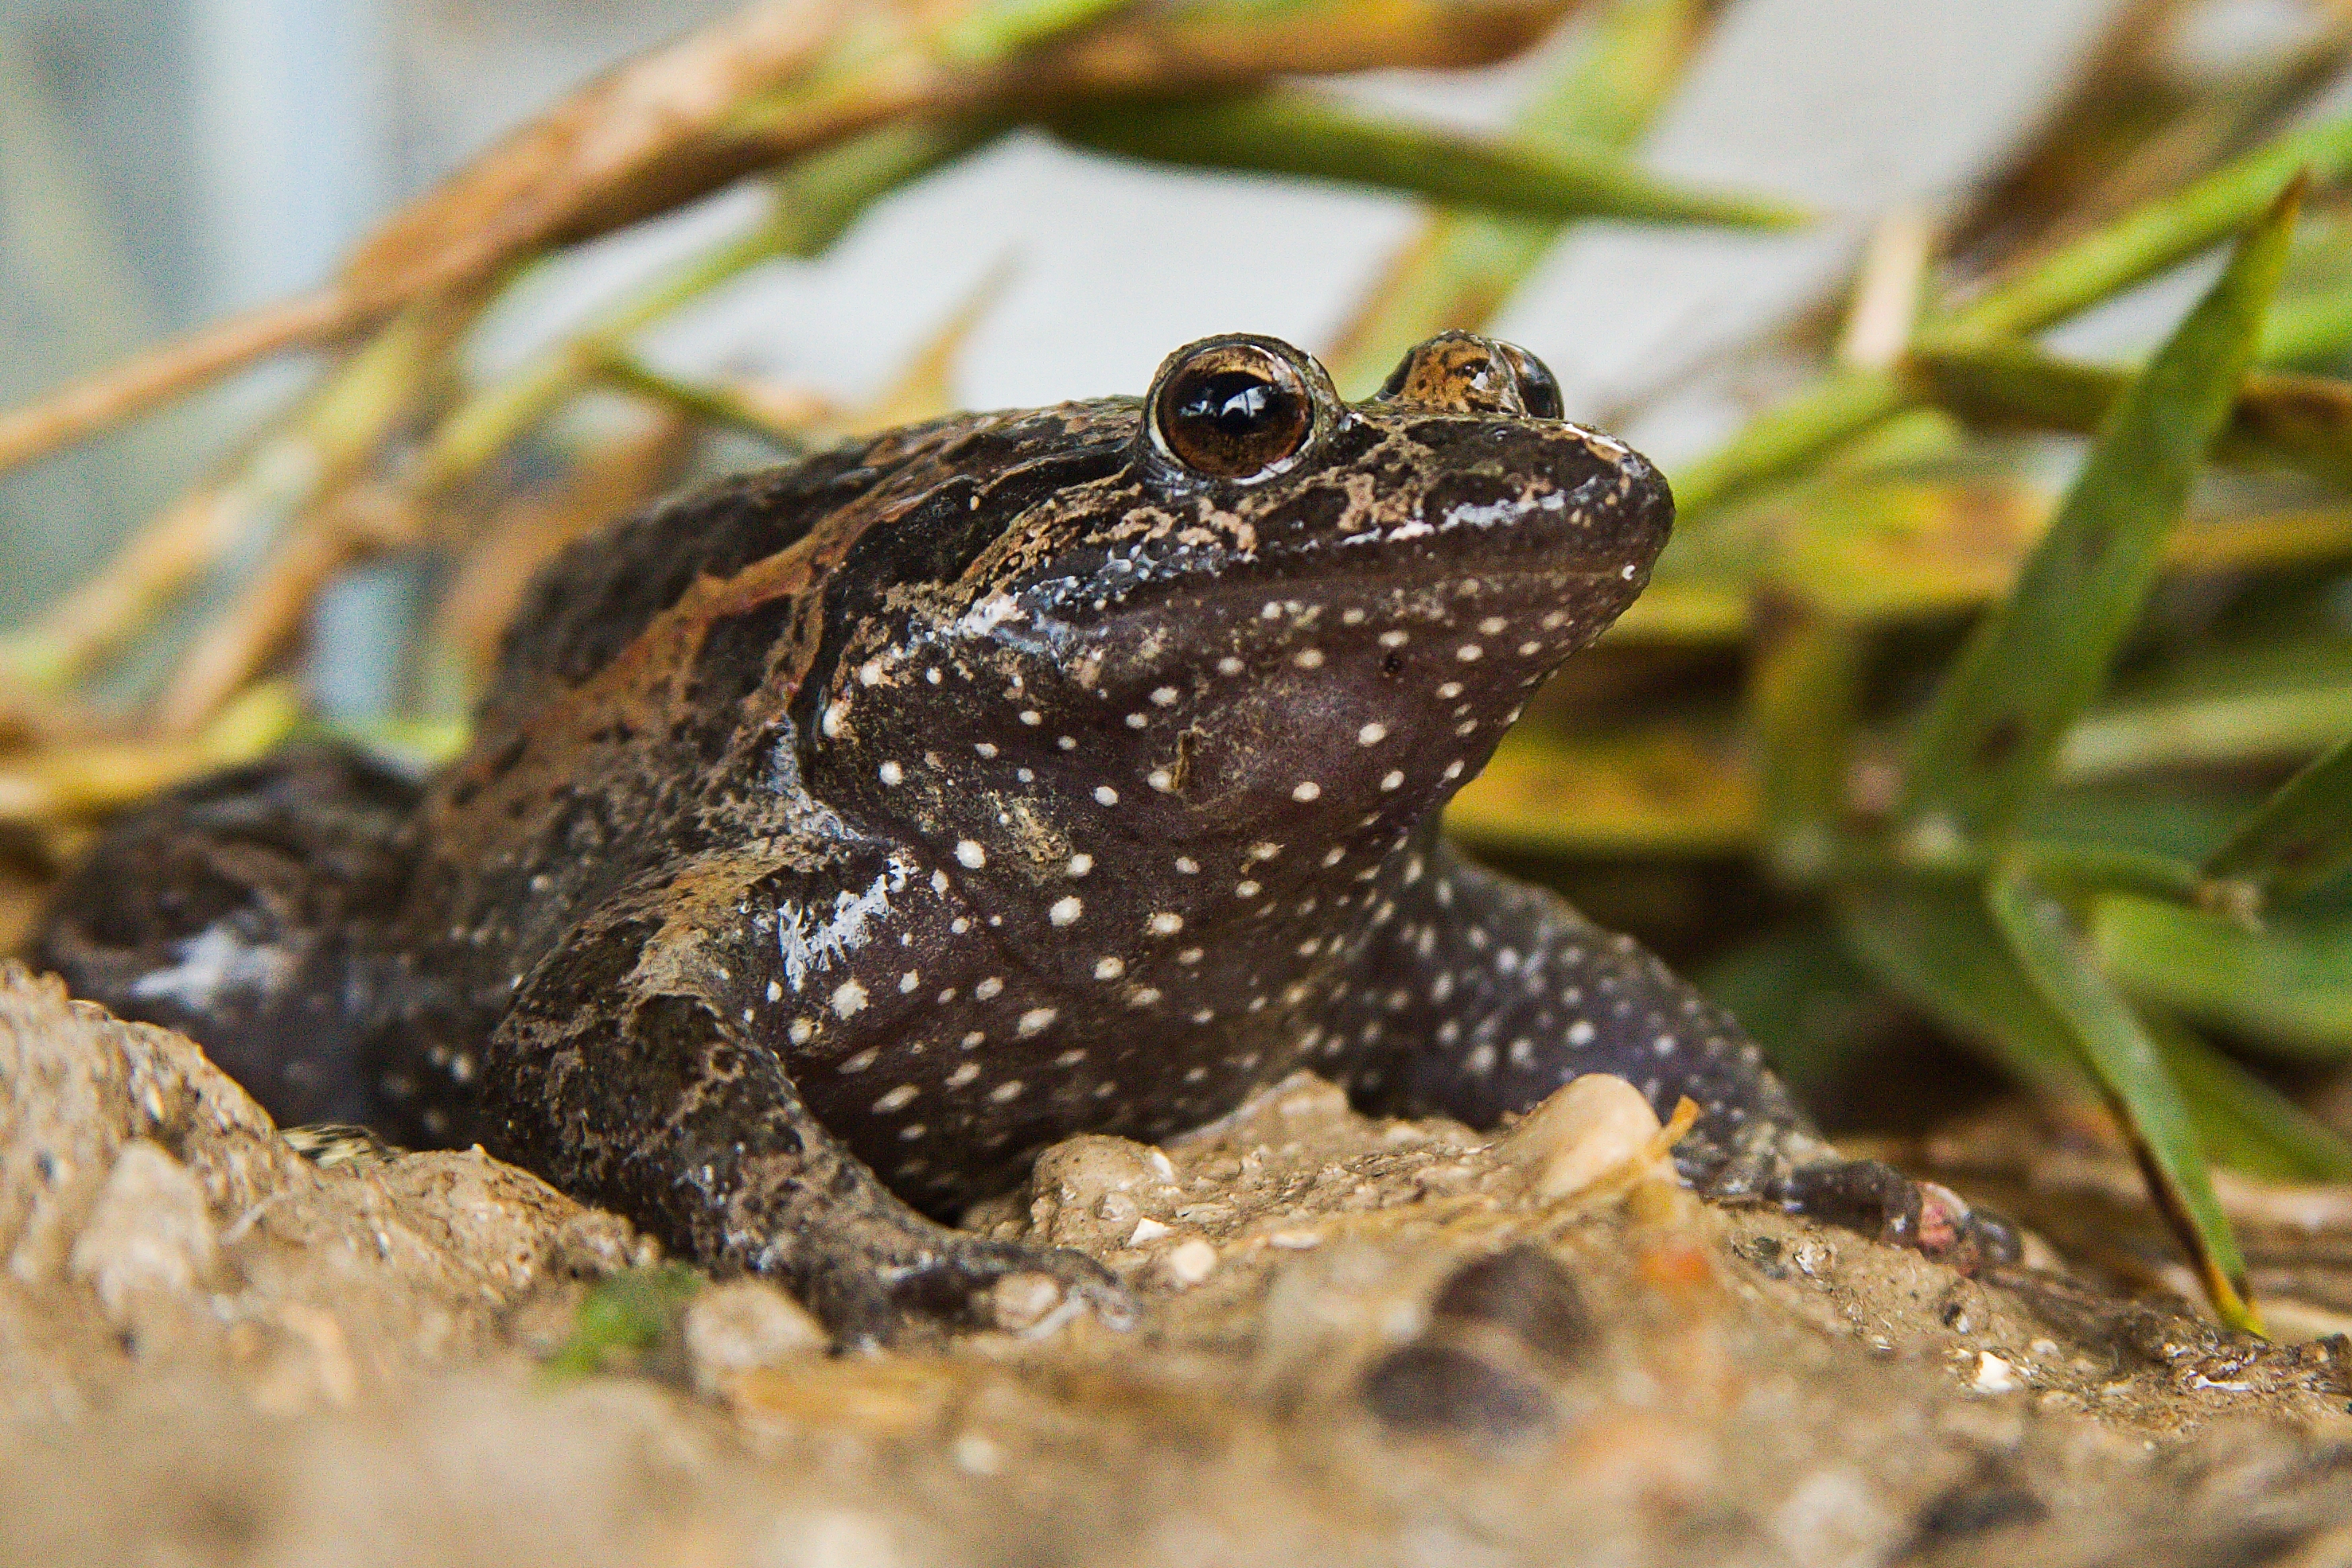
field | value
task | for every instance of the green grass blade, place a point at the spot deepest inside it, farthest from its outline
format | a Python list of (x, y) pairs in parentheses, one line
[(2288, 986), (1786, 440), (2296, 839), (1805, 679), (2130, 1068), (2243, 1122), (1458, 271), (1814, 1011), (2152, 237), (1938, 948), (1935, 947), (2036, 661), (1284, 130)]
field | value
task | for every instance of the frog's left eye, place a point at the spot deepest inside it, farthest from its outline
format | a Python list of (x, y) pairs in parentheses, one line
[(1232, 410), (1538, 388)]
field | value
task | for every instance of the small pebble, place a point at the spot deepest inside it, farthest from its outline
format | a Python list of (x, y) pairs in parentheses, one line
[(1439, 1387), (741, 1326), (1528, 1293), (1588, 1129), (1190, 1262), (1146, 1229), (149, 1233), (1995, 1375)]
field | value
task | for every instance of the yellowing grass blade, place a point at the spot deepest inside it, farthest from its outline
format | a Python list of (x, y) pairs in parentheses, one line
[(2034, 664)]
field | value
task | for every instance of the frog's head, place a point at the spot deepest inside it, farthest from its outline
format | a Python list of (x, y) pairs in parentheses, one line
[(1264, 617)]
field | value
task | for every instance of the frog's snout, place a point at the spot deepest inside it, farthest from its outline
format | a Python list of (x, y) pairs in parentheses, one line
[(1461, 372)]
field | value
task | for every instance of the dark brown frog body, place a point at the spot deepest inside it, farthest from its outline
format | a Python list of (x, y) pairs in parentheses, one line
[(835, 838)]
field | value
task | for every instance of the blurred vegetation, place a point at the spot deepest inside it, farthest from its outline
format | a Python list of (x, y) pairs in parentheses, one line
[(1901, 730)]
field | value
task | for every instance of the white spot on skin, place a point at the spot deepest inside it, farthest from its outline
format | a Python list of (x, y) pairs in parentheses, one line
[(862, 1061), (1106, 796), (1469, 652), (1066, 742), (907, 982), (1188, 865), (1580, 1032), (1493, 625), (1454, 769), (1245, 890), (988, 989), (1449, 691), (898, 1099), (1008, 1091), (1066, 910), (1309, 658), (986, 748), (1229, 666), (892, 774), (970, 855), (1135, 721), (1109, 967), (1164, 696), (1160, 778), (1391, 780), (775, 992), (1164, 924), (1306, 789), (963, 1075), (849, 998), (1034, 1020), (1394, 639), (1080, 864), (1371, 734), (1030, 716), (834, 712), (799, 1032)]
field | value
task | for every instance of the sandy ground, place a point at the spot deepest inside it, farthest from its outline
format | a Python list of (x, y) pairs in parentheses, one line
[(1362, 1342)]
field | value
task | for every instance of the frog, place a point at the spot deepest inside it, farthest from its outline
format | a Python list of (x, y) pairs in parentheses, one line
[(836, 837)]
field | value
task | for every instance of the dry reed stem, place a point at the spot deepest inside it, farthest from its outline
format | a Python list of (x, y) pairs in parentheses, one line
[(86, 407), (173, 546), (680, 122), (237, 643)]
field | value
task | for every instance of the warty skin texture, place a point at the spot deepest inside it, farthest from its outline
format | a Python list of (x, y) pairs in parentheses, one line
[(835, 838)]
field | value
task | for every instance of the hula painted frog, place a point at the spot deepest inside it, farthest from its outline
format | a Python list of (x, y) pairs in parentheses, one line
[(837, 836)]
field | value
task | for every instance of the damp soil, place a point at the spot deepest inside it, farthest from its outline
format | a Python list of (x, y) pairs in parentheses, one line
[(1361, 1341)]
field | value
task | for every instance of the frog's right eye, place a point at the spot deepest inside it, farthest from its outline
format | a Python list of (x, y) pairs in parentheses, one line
[(1232, 410)]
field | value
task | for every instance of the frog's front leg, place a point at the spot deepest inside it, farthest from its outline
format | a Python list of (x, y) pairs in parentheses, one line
[(629, 1073), (1481, 995)]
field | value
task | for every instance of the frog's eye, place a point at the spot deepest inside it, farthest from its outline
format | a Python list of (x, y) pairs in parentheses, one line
[(1232, 410), (1538, 388)]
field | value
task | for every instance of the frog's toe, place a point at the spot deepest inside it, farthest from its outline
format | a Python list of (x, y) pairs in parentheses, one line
[(966, 1281), (1880, 1201), (1028, 1290)]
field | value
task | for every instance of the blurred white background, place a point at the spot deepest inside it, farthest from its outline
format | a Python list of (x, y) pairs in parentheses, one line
[(162, 161)]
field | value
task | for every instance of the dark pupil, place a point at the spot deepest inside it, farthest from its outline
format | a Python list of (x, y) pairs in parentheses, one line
[(1235, 402), (1233, 421)]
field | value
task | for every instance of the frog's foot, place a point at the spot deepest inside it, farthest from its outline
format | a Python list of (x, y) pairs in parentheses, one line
[(873, 1292), (1881, 1202)]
